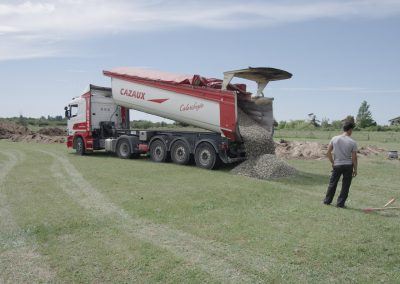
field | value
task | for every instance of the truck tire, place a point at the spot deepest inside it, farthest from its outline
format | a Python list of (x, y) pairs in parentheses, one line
[(180, 153), (124, 149), (206, 157), (158, 151), (80, 146)]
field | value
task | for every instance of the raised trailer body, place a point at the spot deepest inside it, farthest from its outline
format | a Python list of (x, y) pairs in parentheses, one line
[(177, 97)]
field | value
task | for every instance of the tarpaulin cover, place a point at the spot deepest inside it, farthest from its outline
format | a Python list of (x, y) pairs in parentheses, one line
[(172, 78)]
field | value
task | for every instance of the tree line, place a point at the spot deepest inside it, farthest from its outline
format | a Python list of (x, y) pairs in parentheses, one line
[(53, 121), (364, 121)]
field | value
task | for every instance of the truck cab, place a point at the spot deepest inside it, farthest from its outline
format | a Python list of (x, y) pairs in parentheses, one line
[(92, 116)]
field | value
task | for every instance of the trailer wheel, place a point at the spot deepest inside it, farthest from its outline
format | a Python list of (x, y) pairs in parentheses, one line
[(79, 146), (206, 157), (180, 153), (158, 151), (124, 149)]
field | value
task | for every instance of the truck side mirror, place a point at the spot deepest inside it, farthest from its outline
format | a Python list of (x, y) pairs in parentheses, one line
[(67, 113)]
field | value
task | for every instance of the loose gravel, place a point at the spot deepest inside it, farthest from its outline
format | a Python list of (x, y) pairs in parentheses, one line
[(261, 161)]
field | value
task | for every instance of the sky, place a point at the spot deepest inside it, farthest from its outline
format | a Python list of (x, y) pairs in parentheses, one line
[(339, 52)]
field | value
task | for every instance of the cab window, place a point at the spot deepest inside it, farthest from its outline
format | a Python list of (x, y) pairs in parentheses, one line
[(73, 110)]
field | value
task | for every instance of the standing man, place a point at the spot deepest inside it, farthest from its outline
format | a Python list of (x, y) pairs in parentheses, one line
[(344, 162)]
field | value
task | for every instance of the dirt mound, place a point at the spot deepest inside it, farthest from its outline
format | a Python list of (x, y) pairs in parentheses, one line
[(8, 129), (314, 150), (300, 150), (260, 149), (38, 138), (52, 131), (370, 150), (18, 133)]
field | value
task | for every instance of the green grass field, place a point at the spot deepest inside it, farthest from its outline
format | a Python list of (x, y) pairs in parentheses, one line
[(385, 139), (66, 218)]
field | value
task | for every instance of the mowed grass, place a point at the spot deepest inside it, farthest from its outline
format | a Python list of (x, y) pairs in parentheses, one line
[(97, 218)]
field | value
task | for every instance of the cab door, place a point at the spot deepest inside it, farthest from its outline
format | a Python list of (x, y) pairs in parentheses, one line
[(77, 120)]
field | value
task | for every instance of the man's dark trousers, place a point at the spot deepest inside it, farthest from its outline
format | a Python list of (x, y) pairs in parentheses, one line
[(347, 172)]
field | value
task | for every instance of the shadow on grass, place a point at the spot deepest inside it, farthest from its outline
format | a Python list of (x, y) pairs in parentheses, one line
[(103, 154), (387, 214), (97, 154), (305, 178), (375, 213)]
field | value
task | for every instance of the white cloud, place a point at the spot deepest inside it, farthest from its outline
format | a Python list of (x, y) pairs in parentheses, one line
[(25, 8), (338, 89), (34, 24)]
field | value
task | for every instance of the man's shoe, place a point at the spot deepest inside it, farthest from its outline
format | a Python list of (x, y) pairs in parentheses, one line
[(326, 203), (341, 206)]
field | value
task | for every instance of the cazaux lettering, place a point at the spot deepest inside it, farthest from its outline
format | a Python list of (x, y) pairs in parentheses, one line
[(132, 93), (191, 107)]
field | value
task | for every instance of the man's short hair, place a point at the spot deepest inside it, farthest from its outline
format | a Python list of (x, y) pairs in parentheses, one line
[(348, 125)]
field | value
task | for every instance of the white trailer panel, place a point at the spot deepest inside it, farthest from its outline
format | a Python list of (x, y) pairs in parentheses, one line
[(172, 105)]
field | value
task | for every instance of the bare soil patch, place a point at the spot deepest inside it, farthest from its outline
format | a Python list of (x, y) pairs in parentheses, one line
[(52, 131), (38, 138), (314, 150), (18, 133), (8, 129)]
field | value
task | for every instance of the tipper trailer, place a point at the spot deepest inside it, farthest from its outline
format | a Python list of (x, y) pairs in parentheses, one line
[(99, 119)]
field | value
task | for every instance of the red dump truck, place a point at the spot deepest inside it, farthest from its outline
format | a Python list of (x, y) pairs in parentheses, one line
[(99, 118)]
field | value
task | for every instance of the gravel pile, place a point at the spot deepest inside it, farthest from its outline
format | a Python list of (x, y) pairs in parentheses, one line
[(260, 150), (266, 166), (257, 140)]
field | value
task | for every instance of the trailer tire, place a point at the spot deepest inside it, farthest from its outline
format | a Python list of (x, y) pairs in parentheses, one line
[(180, 153), (158, 151), (80, 146), (206, 157), (124, 149)]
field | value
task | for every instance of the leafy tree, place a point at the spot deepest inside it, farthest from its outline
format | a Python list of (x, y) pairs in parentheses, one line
[(281, 124), (349, 118), (364, 116), (336, 124), (180, 124), (22, 120), (325, 123)]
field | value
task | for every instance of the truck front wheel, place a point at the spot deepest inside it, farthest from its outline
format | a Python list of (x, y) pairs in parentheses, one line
[(206, 157), (158, 151), (124, 149), (80, 146), (180, 153)]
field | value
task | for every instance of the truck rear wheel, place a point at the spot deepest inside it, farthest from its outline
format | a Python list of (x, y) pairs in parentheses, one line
[(180, 153), (124, 149), (206, 157), (80, 146), (158, 151)]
